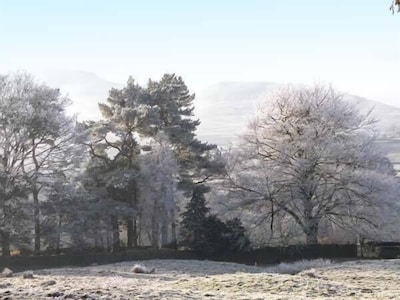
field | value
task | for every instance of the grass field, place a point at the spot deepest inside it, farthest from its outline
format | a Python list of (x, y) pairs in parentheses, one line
[(192, 279)]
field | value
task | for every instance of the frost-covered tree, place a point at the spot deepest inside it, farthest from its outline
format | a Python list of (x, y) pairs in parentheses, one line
[(50, 147), (114, 148), (175, 108), (13, 186), (65, 213), (174, 103), (41, 134), (158, 187), (102, 211), (198, 162), (310, 155)]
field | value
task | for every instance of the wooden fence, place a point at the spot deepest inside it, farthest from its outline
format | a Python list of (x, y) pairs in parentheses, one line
[(270, 255)]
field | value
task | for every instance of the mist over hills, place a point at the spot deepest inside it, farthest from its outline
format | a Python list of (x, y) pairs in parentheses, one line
[(224, 109), (86, 90)]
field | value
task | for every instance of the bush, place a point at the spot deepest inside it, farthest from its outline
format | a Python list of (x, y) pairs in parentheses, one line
[(299, 266), (235, 234), (214, 237), (207, 234)]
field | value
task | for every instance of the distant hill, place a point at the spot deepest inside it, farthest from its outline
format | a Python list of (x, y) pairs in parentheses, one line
[(226, 108), (86, 90)]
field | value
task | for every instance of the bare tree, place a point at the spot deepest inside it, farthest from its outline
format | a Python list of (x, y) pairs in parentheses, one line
[(310, 155), (395, 3)]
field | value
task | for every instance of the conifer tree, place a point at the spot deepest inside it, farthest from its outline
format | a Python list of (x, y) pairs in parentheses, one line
[(198, 161), (194, 217), (114, 148)]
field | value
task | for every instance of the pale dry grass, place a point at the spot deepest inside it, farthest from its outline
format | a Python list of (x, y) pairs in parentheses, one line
[(298, 266), (191, 279)]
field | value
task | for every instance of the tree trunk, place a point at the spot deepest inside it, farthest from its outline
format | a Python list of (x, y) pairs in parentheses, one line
[(139, 232), (155, 234), (96, 239), (155, 227), (58, 244), (131, 223), (173, 230), (35, 195), (130, 232), (108, 240), (311, 221), (36, 217), (135, 232), (102, 242), (5, 243), (361, 242), (311, 232), (115, 234), (164, 216), (164, 231)]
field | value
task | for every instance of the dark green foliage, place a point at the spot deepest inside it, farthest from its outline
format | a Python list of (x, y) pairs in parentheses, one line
[(207, 234), (193, 230), (236, 235), (198, 161), (114, 151), (175, 108), (84, 200), (213, 241)]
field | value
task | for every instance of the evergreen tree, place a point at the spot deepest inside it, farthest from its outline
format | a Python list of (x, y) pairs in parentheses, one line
[(198, 161), (114, 149), (206, 233), (236, 237), (175, 109), (194, 217)]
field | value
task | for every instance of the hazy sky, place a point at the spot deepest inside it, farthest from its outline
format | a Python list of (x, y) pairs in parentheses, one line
[(354, 44)]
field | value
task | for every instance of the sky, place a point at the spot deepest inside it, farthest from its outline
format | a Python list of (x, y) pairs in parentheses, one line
[(353, 45)]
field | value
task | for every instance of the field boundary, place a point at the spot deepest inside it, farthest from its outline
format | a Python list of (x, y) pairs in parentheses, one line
[(265, 256)]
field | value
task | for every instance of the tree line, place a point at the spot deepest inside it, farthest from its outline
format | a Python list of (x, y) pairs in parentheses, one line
[(141, 177)]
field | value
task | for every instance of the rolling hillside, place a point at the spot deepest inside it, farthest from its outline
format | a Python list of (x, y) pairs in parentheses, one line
[(226, 108)]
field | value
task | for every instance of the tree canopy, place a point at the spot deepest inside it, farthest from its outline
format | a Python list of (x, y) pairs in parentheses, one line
[(310, 155), (140, 176)]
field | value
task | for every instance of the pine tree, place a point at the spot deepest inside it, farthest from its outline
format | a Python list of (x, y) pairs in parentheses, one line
[(198, 161), (114, 147), (194, 217)]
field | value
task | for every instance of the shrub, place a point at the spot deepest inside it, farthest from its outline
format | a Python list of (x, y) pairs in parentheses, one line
[(299, 266), (236, 236), (206, 233)]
